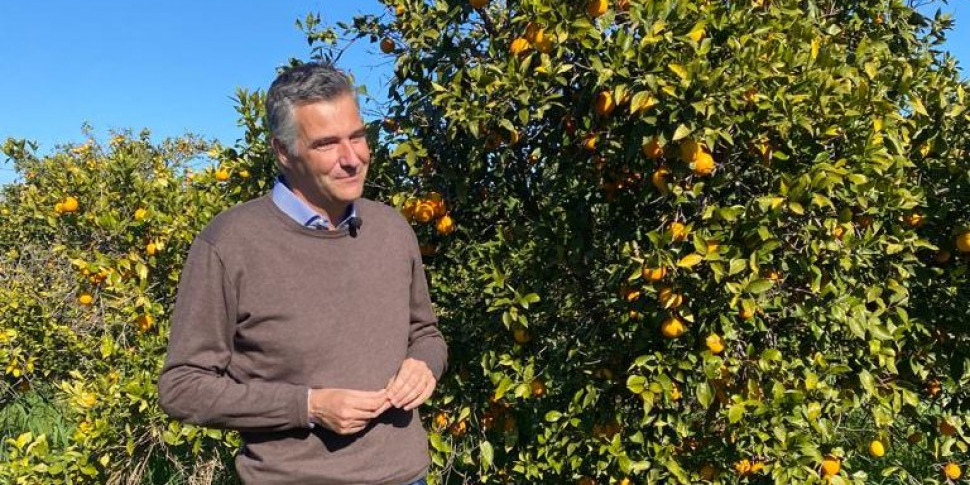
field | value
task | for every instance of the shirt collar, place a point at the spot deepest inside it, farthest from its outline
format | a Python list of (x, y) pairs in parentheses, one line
[(300, 211)]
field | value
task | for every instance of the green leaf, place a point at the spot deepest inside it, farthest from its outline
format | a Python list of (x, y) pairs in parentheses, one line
[(705, 395), (642, 101), (760, 285), (682, 132), (487, 454), (736, 412), (679, 71), (868, 382), (636, 384)]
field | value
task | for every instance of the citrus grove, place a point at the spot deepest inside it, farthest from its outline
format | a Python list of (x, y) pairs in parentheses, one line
[(668, 241)]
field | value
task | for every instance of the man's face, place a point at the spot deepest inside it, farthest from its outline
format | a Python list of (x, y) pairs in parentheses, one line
[(330, 157)]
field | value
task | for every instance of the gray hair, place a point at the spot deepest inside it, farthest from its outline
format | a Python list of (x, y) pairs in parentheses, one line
[(305, 83)]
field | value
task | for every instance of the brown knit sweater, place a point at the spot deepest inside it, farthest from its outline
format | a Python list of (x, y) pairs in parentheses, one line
[(267, 308)]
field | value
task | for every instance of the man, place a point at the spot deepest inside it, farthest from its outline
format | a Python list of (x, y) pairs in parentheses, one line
[(300, 326)]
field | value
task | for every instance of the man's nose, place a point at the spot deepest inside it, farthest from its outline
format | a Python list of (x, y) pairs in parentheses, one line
[(348, 155)]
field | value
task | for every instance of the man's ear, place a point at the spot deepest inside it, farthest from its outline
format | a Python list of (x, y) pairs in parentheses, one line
[(282, 155)]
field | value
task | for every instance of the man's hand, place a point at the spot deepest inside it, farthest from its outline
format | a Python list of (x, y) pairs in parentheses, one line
[(412, 385), (345, 411)]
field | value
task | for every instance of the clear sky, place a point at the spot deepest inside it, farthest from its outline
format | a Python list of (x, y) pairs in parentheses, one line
[(173, 66)]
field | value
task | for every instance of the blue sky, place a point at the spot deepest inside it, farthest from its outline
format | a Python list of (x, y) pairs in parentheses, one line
[(173, 66)]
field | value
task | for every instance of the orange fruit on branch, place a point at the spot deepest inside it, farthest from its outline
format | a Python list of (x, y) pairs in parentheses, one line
[(672, 327)]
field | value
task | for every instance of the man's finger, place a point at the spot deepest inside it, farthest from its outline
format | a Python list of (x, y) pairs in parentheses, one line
[(398, 382), (412, 392), (419, 395), (369, 402), (380, 410), (422, 398), (406, 390)]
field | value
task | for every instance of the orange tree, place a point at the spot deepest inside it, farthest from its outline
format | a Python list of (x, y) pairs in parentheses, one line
[(668, 241), (716, 241)]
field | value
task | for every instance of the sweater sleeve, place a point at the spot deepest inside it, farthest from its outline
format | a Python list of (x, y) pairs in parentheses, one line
[(425, 342), (194, 385)]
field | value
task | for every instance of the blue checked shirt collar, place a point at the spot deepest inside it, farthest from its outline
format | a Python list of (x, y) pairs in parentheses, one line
[(300, 211)]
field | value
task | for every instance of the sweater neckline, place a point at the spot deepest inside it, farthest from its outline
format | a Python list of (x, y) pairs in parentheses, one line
[(294, 226)]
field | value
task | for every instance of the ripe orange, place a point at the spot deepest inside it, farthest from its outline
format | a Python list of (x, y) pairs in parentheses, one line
[(437, 202), (963, 242), (459, 428), (407, 210), (689, 150), (947, 429), (85, 299), (424, 211), (743, 466), (672, 327), (544, 45), (596, 8), (519, 46), (441, 420), (704, 164), (478, 3), (630, 294), (625, 481), (654, 274), (387, 45), (589, 142), (151, 249), (538, 388), (534, 33), (653, 150), (669, 299), (913, 220), (659, 178), (145, 322), (399, 10), (445, 225), (933, 388), (831, 465), (876, 449), (838, 231), (678, 231), (604, 103), (952, 471), (222, 175), (140, 214), (714, 343), (70, 204)]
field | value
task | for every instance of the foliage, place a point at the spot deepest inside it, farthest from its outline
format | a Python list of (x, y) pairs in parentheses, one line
[(668, 241)]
